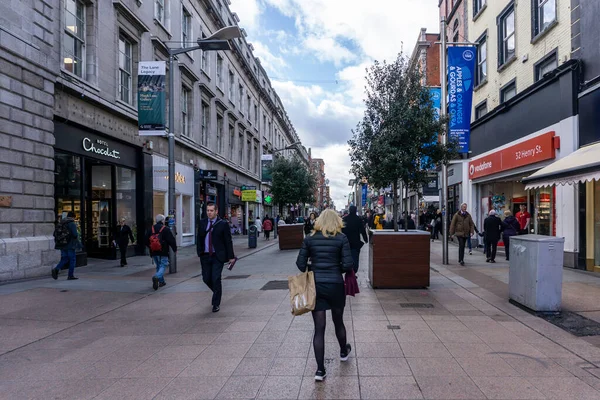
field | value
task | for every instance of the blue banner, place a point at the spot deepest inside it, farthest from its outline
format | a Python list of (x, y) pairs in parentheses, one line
[(461, 68), (364, 195), (436, 98)]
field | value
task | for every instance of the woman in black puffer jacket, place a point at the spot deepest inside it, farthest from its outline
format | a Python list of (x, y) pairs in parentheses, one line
[(330, 255)]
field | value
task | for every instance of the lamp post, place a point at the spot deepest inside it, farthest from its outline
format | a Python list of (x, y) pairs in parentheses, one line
[(217, 41)]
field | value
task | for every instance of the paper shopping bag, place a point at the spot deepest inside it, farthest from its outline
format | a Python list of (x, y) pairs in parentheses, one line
[(303, 295)]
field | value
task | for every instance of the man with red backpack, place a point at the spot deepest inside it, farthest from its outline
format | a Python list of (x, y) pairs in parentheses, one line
[(158, 239)]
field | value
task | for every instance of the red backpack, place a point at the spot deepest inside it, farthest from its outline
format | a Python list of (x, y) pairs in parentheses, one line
[(156, 244)]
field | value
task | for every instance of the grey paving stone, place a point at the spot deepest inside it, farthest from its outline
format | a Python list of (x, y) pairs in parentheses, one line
[(333, 366), (334, 387), (491, 365), (565, 388), (237, 350), (375, 336), (507, 388), (381, 387), (253, 367), (111, 369), (420, 350), (435, 367), (241, 387), (159, 368), (195, 339), (383, 367), (134, 388), (288, 366), (448, 387), (192, 388), (211, 367), (280, 387), (544, 367), (180, 352), (416, 336), (378, 350)]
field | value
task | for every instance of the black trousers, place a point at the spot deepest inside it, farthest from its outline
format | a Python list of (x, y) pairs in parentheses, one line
[(212, 269), (506, 240), (123, 250), (491, 246), (462, 241), (267, 234)]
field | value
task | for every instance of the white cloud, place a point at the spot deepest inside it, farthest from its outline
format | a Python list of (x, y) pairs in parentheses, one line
[(272, 63), (248, 11), (327, 49)]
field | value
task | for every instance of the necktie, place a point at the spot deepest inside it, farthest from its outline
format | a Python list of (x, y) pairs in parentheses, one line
[(210, 246)]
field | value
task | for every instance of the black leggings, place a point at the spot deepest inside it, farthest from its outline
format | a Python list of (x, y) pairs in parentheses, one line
[(319, 317)]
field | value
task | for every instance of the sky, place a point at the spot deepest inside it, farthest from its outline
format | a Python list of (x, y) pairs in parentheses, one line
[(316, 52)]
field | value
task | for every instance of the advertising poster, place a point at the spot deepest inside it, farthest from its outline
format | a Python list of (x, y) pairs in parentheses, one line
[(151, 98), (266, 163), (461, 66), (364, 195)]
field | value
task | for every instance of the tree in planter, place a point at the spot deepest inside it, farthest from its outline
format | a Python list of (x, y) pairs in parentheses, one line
[(397, 139), (292, 182)]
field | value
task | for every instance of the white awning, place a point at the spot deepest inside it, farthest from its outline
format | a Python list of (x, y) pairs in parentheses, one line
[(582, 166)]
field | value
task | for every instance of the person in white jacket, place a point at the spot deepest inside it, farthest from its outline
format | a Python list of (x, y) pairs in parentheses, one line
[(258, 224)]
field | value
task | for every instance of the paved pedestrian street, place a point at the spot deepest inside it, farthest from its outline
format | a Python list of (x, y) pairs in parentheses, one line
[(109, 335)]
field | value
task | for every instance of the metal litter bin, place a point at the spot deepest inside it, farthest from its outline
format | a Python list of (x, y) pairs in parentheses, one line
[(536, 271), (252, 237)]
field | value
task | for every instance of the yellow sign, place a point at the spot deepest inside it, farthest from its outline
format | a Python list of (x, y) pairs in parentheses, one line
[(249, 195)]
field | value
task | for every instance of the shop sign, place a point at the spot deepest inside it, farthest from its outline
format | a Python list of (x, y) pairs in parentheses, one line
[(99, 146), (268, 199), (266, 162), (211, 190), (210, 174), (461, 69), (539, 148), (151, 98), (237, 192), (249, 195)]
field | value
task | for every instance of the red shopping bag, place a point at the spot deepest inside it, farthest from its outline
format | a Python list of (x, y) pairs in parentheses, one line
[(351, 284)]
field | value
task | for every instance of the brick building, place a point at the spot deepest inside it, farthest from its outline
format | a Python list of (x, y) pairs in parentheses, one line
[(69, 132)]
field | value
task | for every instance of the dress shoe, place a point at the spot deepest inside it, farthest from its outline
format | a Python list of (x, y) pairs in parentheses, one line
[(487, 260), (72, 278), (154, 283), (54, 273), (216, 309)]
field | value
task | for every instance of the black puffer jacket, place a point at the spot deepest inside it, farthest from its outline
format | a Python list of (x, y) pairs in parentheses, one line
[(330, 257)]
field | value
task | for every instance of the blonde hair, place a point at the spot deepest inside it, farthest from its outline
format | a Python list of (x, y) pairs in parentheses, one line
[(328, 223), (507, 213)]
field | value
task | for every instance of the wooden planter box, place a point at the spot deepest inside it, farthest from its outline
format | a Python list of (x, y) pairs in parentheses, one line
[(399, 260), (290, 236)]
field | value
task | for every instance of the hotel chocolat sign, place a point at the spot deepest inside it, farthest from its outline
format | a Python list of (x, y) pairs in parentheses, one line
[(100, 146)]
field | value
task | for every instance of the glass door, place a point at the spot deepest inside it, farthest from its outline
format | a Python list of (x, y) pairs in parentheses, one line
[(100, 205)]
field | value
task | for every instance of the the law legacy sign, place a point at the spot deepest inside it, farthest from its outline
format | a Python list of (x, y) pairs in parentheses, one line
[(151, 98), (461, 67)]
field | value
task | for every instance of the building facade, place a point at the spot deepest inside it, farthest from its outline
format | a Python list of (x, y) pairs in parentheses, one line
[(81, 146)]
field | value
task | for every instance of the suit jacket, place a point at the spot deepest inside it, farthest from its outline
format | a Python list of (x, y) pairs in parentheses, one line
[(354, 229), (492, 226), (221, 240), (123, 234)]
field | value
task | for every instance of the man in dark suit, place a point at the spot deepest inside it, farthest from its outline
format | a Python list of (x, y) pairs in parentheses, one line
[(214, 247), (492, 226), (354, 229), (122, 235)]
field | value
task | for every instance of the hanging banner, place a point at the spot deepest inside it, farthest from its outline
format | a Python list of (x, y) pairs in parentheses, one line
[(461, 66), (266, 163), (151, 98), (364, 195), (436, 98)]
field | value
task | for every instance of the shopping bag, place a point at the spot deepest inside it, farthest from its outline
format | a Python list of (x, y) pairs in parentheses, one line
[(351, 284), (303, 294)]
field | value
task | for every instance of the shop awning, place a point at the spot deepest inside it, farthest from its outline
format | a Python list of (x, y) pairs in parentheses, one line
[(582, 166)]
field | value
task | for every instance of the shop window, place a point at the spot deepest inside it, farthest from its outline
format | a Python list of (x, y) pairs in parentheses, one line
[(158, 204), (126, 207), (101, 202), (543, 217), (186, 215)]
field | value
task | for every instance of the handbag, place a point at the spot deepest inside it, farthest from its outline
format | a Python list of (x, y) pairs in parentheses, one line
[(351, 284), (303, 294)]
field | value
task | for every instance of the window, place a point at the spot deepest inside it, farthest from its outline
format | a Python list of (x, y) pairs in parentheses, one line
[(506, 35), (231, 142), (219, 134), (231, 87), (219, 71), (125, 55), (265, 127), (256, 115), (204, 57), (159, 11), (478, 6), (256, 159), (544, 14), (481, 110), (249, 158), (185, 123), (248, 106), (481, 72), (186, 28), (241, 149), (508, 91), (74, 37), (241, 97), (205, 122), (126, 205), (455, 30), (548, 64)]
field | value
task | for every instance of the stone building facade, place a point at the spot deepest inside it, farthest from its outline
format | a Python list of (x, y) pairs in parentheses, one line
[(68, 123)]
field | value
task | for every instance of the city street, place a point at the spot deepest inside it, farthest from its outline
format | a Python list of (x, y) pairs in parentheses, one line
[(110, 336)]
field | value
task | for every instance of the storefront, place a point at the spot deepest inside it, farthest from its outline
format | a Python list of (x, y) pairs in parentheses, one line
[(208, 189), (184, 197), (102, 181), (235, 210)]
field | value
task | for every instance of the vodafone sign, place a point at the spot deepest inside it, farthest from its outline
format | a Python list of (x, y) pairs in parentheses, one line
[(539, 148)]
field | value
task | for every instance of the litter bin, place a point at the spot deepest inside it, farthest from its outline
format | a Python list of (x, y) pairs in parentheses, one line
[(536, 271), (252, 236)]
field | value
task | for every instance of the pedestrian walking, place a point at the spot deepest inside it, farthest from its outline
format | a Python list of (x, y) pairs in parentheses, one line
[(158, 239), (267, 226), (354, 229), (122, 235), (66, 239), (469, 244), (436, 225), (462, 227), (524, 219), (310, 223), (510, 227), (258, 225), (214, 247), (330, 254), (492, 229)]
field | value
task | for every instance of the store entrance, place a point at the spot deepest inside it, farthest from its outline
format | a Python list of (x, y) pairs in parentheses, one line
[(99, 201)]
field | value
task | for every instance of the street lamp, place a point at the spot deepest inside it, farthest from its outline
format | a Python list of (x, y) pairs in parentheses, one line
[(217, 41)]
